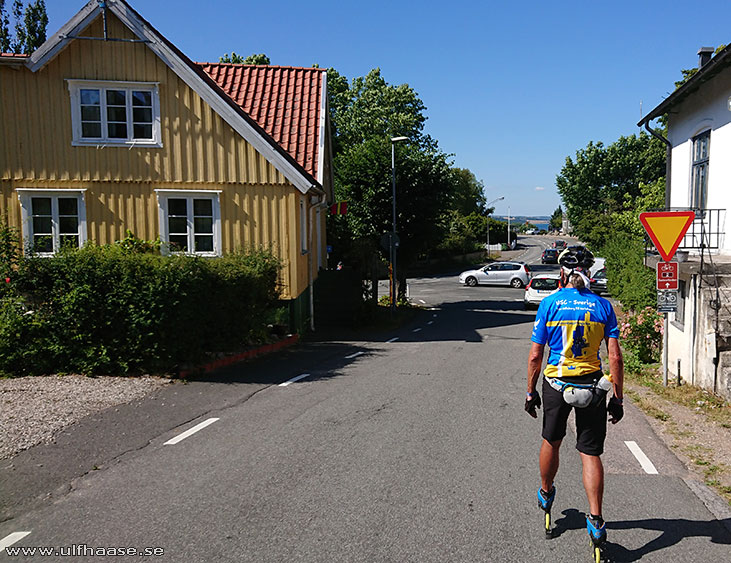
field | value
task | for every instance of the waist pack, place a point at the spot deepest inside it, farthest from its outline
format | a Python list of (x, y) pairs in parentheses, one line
[(581, 395)]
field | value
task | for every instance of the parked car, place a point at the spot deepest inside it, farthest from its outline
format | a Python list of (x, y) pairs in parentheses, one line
[(559, 244), (540, 287), (514, 274), (531, 232), (549, 256), (598, 281)]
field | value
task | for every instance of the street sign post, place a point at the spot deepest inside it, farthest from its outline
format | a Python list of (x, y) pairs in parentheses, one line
[(667, 275)]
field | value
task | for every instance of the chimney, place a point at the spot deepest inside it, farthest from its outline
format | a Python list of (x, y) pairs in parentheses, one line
[(704, 55)]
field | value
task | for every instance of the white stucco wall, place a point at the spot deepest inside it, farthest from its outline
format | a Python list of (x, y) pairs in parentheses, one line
[(707, 108)]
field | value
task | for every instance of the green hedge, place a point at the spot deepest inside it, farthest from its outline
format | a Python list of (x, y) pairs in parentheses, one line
[(116, 310)]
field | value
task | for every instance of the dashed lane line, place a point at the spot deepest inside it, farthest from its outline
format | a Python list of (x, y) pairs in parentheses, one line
[(641, 457), (9, 540), (355, 355), (190, 432), (394, 339), (416, 330), (297, 378)]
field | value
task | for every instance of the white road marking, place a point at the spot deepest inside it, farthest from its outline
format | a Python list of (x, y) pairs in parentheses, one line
[(416, 330), (641, 457), (394, 339), (430, 323), (190, 432), (434, 315), (354, 355), (422, 301), (301, 376), (7, 541)]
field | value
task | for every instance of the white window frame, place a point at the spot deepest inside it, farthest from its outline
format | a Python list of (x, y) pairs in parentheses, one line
[(162, 205), (303, 227), (75, 87), (25, 196), (698, 166)]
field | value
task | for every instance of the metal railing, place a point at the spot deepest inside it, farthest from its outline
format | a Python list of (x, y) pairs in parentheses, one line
[(706, 231)]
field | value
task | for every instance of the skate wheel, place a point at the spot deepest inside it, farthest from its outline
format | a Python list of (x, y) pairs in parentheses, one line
[(597, 555), (549, 533)]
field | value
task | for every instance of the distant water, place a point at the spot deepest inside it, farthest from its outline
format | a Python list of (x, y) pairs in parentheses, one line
[(540, 225)]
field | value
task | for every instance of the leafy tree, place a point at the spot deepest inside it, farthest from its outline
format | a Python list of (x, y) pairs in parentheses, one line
[(29, 27), (556, 221), (235, 58), (4, 29), (604, 180), (468, 193)]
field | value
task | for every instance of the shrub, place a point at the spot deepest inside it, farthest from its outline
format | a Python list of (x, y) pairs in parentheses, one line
[(124, 308), (642, 333), (628, 278)]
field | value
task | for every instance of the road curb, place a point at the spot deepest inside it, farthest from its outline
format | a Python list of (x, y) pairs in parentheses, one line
[(236, 358), (714, 503)]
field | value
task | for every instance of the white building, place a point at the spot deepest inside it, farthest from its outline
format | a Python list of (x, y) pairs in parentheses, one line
[(699, 179)]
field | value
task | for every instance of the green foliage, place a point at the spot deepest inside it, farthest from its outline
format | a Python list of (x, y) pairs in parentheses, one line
[(30, 27), (130, 244), (9, 249), (556, 221), (467, 193), (255, 59), (641, 334), (628, 278), (120, 309), (605, 180)]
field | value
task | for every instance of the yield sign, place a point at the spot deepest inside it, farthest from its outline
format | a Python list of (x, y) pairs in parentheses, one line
[(667, 229)]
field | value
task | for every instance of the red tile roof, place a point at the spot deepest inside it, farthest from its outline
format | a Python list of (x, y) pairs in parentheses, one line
[(285, 101)]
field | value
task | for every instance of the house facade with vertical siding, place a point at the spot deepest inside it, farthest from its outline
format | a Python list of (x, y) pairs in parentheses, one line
[(108, 127)]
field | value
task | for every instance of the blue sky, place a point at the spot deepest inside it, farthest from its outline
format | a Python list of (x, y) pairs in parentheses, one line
[(511, 88)]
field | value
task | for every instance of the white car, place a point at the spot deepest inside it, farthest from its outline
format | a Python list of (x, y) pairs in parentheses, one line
[(540, 287), (514, 274)]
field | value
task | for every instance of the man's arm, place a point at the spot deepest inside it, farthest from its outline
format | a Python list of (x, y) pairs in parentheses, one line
[(616, 367), (615, 408), (535, 361)]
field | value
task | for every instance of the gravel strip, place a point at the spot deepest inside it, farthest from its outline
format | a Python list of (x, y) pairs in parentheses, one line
[(33, 409)]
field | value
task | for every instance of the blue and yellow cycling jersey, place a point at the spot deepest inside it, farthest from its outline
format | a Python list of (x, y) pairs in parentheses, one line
[(574, 322)]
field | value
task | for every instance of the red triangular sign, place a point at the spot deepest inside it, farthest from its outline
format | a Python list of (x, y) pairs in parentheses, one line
[(666, 229)]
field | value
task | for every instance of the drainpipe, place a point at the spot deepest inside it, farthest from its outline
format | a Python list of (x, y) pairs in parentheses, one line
[(315, 202), (668, 160)]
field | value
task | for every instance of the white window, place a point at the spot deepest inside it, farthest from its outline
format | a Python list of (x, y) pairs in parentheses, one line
[(115, 113), (303, 227), (190, 221), (52, 219), (699, 185)]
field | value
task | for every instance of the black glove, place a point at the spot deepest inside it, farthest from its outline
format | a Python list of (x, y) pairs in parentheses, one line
[(615, 409), (532, 402)]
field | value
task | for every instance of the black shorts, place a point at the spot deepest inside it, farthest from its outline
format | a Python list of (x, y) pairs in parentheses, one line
[(591, 422)]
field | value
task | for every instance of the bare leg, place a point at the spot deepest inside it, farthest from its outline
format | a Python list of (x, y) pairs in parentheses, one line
[(548, 461), (593, 473)]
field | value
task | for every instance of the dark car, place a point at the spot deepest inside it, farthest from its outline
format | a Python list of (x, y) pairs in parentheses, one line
[(598, 281), (559, 244), (549, 256)]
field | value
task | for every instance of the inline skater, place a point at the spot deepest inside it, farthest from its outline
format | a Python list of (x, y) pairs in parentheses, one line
[(574, 322)]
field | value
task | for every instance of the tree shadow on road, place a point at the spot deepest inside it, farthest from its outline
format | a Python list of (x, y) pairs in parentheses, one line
[(672, 531)]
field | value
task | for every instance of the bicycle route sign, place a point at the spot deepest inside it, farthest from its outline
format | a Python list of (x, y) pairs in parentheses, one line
[(667, 301), (667, 275)]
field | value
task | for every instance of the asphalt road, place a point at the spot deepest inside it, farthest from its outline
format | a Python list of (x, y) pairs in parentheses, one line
[(411, 446)]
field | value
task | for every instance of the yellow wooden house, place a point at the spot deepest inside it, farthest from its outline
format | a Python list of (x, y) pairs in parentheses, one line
[(109, 127)]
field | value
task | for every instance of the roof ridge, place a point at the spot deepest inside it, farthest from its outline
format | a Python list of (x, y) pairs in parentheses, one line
[(315, 68)]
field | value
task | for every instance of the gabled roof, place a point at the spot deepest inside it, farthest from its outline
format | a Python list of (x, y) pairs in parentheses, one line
[(704, 74), (190, 73), (287, 102)]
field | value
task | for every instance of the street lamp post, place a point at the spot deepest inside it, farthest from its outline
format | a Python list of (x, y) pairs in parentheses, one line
[(392, 246), (509, 245), (488, 224)]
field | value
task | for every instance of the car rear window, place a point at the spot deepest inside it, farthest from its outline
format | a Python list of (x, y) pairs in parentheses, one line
[(544, 283)]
